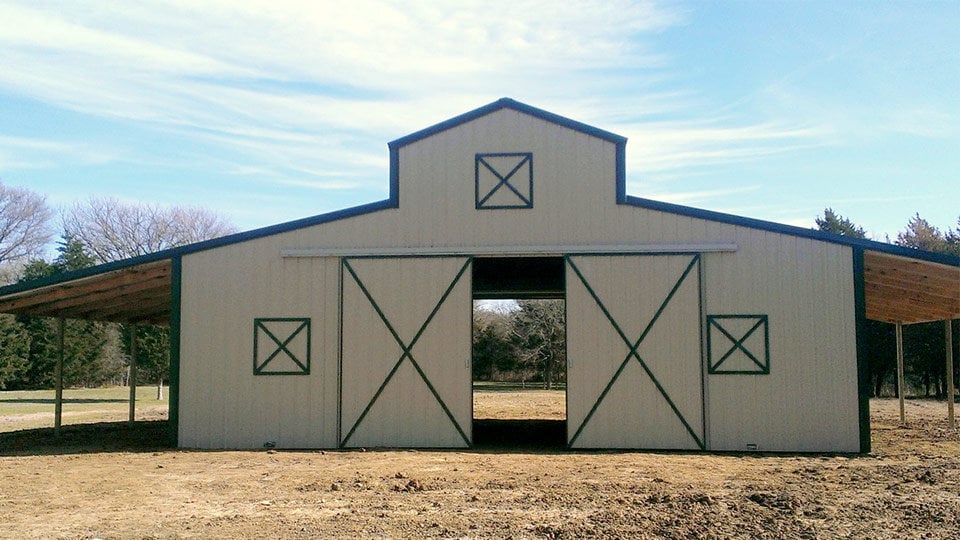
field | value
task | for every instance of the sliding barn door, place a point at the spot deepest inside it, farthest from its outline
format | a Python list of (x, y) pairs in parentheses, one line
[(635, 377), (405, 358)]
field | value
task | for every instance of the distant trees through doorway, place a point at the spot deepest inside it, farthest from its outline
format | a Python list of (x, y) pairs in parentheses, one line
[(522, 342)]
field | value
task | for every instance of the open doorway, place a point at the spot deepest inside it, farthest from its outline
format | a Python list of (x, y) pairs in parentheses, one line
[(519, 352)]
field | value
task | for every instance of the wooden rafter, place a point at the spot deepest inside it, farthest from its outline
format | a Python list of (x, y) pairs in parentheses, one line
[(900, 289), (135, 294)]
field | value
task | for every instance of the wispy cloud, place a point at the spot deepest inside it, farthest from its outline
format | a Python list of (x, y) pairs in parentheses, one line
[(306, 94), (658, 150), (296, 86), (32, 153), (693, 197)]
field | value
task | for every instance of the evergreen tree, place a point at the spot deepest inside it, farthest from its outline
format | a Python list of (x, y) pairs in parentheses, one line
[(924, 348), (13, 350), (953, 240), (493, 355), (920, 234), (837, 224), (153, 353), (84, 341)]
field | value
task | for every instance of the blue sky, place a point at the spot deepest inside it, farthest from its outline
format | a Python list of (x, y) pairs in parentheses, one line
[(267, 111)]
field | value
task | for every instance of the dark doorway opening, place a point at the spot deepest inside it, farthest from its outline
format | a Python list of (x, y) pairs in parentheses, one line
[(519, 352)]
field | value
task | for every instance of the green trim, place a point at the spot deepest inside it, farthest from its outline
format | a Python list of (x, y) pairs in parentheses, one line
[(763, 366), (340, 354), (863, 365), (704, 363), (406, 348), (173, 415), (566, 352), (633, 350), (525, 201), (260, 327)]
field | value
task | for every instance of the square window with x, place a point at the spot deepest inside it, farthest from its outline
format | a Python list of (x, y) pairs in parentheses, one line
[(504, 180), (738, 344), (281, 346)]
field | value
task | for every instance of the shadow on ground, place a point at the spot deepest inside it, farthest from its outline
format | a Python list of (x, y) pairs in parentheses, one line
[(520, 434), (145, 436)]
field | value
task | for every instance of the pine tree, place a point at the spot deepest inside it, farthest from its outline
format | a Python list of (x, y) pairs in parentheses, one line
[(837, 224), (84, 342), (13, 350), (920, 234)]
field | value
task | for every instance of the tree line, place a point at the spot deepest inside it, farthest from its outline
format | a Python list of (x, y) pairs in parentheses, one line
[(95, 231), (526, 344)]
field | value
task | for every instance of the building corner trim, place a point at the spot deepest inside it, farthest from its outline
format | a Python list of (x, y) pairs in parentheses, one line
[(863, 367), (173, 417)]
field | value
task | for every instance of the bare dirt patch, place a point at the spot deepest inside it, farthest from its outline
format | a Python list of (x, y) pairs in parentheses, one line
[(909, 487)]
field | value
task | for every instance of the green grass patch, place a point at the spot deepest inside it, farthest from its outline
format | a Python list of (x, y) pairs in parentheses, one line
[(114, 398), (31, 409)]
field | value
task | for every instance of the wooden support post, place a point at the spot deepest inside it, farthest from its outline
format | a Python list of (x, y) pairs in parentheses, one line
[(901, 387), (948, 330), (132, 379), (58, 376)]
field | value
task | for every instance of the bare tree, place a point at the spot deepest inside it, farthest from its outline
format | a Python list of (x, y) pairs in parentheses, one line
[(112, 230), (24, 224), (539, 332)]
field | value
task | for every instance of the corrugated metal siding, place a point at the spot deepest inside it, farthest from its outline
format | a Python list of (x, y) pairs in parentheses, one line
[(636, 293), (406, 292), (222, 403), (573, 175), (807, 402)]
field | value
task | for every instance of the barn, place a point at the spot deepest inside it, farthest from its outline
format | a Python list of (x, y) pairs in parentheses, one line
[(686, 329)]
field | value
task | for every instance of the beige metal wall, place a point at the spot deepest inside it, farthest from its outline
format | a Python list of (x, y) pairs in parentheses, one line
[(222, 403), (616, 399), (807, 402), (419, 399)]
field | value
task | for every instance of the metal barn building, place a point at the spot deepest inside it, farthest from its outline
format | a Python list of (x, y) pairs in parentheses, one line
[(686, 329)]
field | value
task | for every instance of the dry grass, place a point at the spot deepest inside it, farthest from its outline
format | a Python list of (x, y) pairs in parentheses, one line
[(509, 402)]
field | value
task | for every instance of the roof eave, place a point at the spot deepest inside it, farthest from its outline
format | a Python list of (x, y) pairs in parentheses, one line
[(506, 103), (872, 245), (198, 246)]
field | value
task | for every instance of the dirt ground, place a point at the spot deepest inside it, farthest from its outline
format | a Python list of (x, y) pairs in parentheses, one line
[(128, 486)]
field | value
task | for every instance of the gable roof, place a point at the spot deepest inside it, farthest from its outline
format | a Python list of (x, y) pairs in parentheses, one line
[(48, 296)]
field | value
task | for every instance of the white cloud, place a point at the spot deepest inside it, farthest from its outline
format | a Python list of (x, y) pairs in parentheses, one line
[(318, 86), (693, 197), (307, 93), (32, 153), (661, 148)]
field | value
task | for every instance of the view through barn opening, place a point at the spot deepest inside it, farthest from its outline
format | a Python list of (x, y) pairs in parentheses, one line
[(519, 364)]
